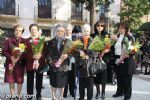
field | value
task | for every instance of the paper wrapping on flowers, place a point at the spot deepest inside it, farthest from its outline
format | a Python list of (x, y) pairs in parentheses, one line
[(37, 45), (96, 44)]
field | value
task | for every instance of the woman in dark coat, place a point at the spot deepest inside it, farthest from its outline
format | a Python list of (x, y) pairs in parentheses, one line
[(86, 58), (14, 72), (106, 75), (55, 56), (30, 57), (125, 70)]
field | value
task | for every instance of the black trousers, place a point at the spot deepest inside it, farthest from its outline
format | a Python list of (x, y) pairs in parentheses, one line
[(124, 85), (71, 82), (86, 83), (30, 83)]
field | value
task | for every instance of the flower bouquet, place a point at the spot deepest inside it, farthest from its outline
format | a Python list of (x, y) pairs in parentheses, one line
[(16, 53), (107, 42), (129, 48), (37, 45), (66, 50), (69, 48), (96, 45)]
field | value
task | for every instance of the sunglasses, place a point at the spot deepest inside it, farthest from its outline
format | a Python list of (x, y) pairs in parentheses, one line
[(100, 25)]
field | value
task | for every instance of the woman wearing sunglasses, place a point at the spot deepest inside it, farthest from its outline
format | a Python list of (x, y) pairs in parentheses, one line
[(103, 76)]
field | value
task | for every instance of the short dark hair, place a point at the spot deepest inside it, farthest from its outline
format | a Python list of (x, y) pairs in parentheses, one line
[(77, 29), (124, 25), (31, 25)]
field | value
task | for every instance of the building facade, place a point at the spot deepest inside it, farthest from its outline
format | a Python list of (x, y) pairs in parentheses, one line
[(43, 12), (46, 13)]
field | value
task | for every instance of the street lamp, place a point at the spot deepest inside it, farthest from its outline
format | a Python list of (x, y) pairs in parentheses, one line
[(107, 14)]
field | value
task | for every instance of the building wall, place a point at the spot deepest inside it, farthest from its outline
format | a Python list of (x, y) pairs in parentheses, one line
[(115, 10), (26, 14)]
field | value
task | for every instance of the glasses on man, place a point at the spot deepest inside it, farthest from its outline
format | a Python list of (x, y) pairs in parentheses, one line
[(100, 25)]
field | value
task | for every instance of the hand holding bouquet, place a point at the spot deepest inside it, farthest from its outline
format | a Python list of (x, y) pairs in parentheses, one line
[(67, 50), (37, 48)]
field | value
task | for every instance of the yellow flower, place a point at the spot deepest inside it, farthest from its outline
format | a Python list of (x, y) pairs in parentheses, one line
[(22, 47), (77, 42), (107, 40), (135, 49)]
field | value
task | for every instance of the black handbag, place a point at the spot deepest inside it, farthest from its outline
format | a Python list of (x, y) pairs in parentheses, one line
[(97, 66)]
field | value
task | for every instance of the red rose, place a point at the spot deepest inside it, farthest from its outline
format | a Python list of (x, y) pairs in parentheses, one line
[(35, 41)]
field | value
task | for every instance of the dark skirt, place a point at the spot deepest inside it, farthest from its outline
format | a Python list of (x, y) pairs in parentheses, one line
[(58, 79)]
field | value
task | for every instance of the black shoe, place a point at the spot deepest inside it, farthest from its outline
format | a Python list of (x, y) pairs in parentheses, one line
[(126, 98), (103, 95), (117, 95), (65, 96), (97, 95), (38, 97), (80, 99), (72, 95)]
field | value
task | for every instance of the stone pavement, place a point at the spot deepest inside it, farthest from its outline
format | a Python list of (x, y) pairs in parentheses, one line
[(141, 89)]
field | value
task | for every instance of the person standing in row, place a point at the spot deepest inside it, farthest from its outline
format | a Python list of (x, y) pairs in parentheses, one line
[(71, 70), (58, 62), (125, 70), (106, 75), (30, 68), (86, 57), (14, 72)]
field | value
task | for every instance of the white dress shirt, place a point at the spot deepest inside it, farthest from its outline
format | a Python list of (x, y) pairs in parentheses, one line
[(118, 45)]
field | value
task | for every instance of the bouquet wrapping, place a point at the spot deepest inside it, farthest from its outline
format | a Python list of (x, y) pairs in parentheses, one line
[(37, 45)]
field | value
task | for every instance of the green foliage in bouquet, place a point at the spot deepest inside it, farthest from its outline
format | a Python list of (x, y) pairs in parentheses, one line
[(38, 45), (96, 45), (67, 46)]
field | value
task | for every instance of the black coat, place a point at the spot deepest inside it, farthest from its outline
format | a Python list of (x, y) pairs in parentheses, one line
[(53, 54), (82, 65)]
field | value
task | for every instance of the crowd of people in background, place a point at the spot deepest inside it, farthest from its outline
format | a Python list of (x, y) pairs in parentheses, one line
[(66, 71)]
